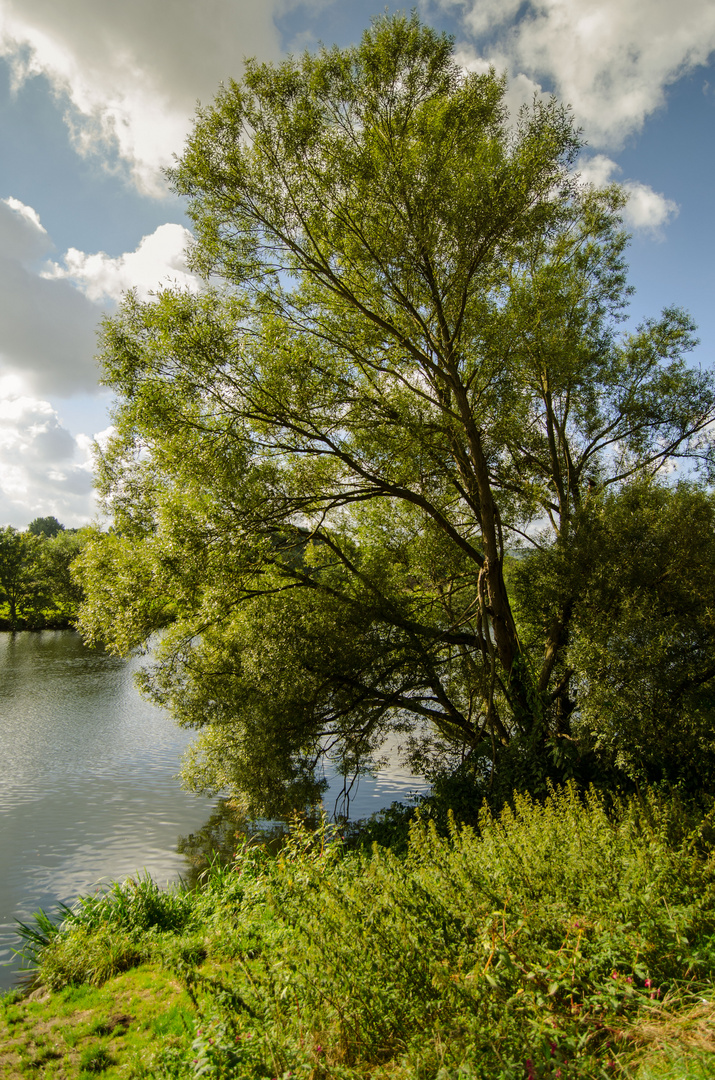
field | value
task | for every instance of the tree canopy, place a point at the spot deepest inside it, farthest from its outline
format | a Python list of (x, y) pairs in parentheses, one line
[(399, 466), (45, 526), (36, 582)]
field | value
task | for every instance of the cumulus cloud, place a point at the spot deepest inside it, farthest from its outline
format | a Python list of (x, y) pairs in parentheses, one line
[(47, 328), (160, 259), (129, 74), (646, 210), (612, 60), (49, 310), (43, 468)]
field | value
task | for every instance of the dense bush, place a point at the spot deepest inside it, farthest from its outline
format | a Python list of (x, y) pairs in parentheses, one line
[(532, 946), (104, 933)]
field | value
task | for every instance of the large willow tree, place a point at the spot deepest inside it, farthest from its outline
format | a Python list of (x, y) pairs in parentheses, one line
[(357, 482)]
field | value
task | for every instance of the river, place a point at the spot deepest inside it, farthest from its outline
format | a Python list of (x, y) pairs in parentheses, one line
[(88, 786)]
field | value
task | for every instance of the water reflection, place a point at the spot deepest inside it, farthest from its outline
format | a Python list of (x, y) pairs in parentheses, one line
[(226, 829), (88, 787)]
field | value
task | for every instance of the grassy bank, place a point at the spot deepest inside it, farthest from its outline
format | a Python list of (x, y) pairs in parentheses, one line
[(560, 941)]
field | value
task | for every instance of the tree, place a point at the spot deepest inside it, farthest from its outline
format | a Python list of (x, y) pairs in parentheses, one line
[(57, 557), (638, 578), (19, 586), (45, 526), (410, 364)]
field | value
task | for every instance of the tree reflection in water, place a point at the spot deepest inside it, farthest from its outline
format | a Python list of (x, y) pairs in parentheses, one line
[(226, 829)]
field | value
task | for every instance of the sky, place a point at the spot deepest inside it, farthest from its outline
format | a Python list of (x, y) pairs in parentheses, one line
[(96, 97)]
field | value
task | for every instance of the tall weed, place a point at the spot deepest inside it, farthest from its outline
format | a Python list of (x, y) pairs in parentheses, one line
[(541, 943), (519, 949)]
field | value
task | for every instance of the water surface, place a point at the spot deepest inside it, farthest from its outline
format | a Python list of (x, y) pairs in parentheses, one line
[(88, 787)]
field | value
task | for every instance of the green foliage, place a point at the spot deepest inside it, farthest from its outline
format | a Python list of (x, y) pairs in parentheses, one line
[(58, 556), (20, 586), (641, 639), (45, 526), (524, 941), (104, 933), (36, 581), (545, 940), (94, 1059), (323, 466), (120, 1029)]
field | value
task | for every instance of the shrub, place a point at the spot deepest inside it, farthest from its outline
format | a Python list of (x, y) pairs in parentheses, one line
[(104, 933), (522, 948)]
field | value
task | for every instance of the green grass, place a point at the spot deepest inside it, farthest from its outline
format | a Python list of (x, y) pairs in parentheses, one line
[(117, 1030), (562, 940)]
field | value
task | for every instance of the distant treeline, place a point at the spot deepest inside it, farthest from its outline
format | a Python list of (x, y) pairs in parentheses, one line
[(36, 587)]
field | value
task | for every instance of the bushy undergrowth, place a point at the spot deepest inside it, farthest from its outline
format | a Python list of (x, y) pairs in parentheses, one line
[(105, 933), (529, 947)]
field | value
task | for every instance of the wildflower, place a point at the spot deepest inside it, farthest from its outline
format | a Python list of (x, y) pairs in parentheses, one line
[(648, 984), (553, 1048), (530, 1071)]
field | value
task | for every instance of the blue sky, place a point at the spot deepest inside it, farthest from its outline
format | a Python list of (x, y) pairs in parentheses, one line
[(95, 97)]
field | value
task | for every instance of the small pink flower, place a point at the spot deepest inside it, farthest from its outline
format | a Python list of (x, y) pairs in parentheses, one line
[(648, 983), (614, 974), (530, 1071), (553, 1048)]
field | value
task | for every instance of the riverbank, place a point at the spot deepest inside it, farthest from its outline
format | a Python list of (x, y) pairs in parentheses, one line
[(142, 1021), (37, 620), (562, 941)]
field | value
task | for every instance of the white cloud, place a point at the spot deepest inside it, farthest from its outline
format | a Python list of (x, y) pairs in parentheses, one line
[(598, 170), (48, 318), (22, 235), (27, 213), (43, 468), (646, 210), (47, 328), (49, 310), (129, 74), (612, 60), (159, 259)]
